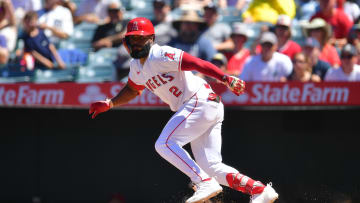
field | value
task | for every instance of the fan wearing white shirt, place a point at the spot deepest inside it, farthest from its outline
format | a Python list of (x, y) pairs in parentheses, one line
[(349, 70), (269, 65), (56, 20)]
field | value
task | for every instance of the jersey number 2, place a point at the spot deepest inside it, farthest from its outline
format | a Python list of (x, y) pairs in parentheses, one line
[(175, 91)]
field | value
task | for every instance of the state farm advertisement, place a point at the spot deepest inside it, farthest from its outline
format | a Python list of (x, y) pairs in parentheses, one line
[(257, 94)]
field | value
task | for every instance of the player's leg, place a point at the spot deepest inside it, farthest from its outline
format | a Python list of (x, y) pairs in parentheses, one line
[(184, 126), (207, 153), (187, 124)]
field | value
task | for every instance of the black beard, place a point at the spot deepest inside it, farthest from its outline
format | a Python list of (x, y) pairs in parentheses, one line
[(142, 53)]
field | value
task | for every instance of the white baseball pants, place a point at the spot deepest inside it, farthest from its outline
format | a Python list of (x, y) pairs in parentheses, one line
[(197, 122)]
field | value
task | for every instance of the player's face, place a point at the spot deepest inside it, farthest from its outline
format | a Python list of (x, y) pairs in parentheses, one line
[(137, 41), (139, 46)]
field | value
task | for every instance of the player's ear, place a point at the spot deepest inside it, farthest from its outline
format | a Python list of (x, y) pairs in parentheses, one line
[(126, 46)]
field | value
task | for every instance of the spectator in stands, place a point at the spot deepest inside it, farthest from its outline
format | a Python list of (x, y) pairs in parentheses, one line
[(283, 34), (337, 19), (21, 7), (93, 11), (282, 31), (321, 31), (4, 52), (219, 60), (217, 32), (56, 21), (306, 9), (269, 65), (8, 27), (240, 53), (112, 33), (189, 27), (302, 71), (352, 10), (268, 11), (164, 31), (70, 5), (311, 49), (349, 70), (37, 44)]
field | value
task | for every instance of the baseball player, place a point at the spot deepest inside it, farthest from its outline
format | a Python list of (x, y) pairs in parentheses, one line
[(199, 112)]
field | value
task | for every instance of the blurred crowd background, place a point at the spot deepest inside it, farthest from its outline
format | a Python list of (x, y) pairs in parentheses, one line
[(46, 41)]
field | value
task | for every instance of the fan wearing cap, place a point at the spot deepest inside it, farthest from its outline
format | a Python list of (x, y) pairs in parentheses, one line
[(269, 65), (349, 69), (337, 19), (282, 30), (240, 54), (111, 33), (321, 31), (217, 32), (311, 49), (283, 33), (190, 26), (199, 112)]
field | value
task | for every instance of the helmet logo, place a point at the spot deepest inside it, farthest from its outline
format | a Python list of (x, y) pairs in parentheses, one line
[(135, 26)]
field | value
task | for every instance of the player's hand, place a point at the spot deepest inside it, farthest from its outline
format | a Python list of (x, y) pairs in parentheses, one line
[(236, 85), (99, 107)]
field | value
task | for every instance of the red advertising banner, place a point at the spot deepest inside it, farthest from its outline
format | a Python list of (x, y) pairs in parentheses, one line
[(257, 94)]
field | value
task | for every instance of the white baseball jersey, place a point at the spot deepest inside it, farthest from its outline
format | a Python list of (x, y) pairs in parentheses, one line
[(162, 75), (339, 75)]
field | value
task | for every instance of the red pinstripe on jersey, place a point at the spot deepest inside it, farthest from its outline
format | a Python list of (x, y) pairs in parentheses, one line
[(172, 132)]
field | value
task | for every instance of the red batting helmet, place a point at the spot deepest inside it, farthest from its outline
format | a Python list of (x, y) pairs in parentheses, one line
[(140, 26)]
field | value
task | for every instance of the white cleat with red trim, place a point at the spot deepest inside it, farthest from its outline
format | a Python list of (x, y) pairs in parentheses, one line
[(267, 196), (205, 190)]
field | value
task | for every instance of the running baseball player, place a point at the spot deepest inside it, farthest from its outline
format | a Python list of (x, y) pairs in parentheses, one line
[(199, 112)]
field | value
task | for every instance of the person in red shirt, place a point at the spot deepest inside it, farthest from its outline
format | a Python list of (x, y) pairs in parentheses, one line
[(240, 53), (283, 33), (341, 24), (321, 31)]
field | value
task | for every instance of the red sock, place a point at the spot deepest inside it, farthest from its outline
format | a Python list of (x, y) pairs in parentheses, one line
[(244, 184)]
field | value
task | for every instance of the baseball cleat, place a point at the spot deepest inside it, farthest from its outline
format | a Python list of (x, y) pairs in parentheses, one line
[(267, 196), (205, 190)]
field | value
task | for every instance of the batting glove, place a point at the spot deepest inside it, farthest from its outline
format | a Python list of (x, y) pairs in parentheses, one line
[(236, 85), (100, 107)]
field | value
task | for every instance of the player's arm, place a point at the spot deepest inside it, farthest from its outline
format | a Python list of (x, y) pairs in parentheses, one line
[(190, 63), (126, 94)]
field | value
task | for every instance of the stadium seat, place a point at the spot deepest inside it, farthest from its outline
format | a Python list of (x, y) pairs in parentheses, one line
[(96, 73), (14, 73), (230, 15), (54, 76), (103, 56)]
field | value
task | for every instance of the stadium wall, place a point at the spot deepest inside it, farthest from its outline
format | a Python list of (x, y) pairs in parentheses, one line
[(61, 155)]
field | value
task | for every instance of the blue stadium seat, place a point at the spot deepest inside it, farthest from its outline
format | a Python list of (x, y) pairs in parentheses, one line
[(14, 73), (103, 56), (54, 76), (96, 73)]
